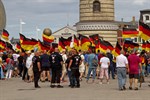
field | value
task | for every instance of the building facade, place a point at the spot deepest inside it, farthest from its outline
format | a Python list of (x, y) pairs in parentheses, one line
[(2, 17), (97, 17)]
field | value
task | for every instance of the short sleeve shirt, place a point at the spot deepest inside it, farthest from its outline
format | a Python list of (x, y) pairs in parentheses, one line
[(35, 61), (104, 62), (75, 61)]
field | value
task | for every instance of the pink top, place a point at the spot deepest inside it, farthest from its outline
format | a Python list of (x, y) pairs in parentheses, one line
[(134, 61)]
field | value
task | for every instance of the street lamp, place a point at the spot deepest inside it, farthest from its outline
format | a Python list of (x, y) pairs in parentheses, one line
[(37, 32), (21, 23)]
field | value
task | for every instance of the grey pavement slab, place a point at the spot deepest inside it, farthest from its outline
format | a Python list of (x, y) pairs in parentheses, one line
[(16, 89)]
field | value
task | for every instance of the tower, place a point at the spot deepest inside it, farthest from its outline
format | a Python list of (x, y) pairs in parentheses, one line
[(2, 17), (98, 17), (96, 10)]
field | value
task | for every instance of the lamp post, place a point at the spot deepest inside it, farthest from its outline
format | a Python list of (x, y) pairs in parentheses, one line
[(37, 32), (21, 23)]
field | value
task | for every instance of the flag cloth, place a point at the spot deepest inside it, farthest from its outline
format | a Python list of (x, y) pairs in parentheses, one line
[(103, 46), (147, 46), (76, 43), (2, 44), (93, 38), (22, 37), (67, 42), (84, 42), (129, 45), (61, 46), (29, 44), (9, 46), (117, 50), (144, 31), (128, 32), (109, 45), (48, 39), (5, 35), (42, 47), (144, 45), (18, 47)]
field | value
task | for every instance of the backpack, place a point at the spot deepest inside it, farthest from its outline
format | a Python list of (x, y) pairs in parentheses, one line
[(94, 62)]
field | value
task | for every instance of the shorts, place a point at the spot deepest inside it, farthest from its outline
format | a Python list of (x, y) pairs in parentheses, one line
[(64, 70), (81, 69), (104, 71), (136, 76), (30, 71), (45, 68)]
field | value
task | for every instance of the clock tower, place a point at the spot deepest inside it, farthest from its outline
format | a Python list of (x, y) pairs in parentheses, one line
[(97, 17)]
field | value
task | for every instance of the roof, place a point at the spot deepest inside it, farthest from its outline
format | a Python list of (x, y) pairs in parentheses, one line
[(145, 10)]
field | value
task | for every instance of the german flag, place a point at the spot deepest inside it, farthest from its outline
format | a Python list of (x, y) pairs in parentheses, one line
[(129, 32), (103, 46), (128, 45), (85, 42), (67, 41), (22, 37), (9, 46), (144, 31), (42, 47), (29, 44), (5, 35), (144, 45), (109, 45), (61, 46), (93, 38), (48, 39), (117, 50), (76, 43), (18, 47), (2, 44), (147, 46)]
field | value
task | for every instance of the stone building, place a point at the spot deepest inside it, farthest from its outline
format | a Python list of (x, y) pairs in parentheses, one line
[(2, 17), (97, 17)]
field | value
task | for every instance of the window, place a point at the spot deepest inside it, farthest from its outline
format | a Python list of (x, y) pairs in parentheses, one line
[(147, 17), (96, 6)]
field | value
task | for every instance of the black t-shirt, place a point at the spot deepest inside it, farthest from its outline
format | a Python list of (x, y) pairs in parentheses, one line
[(67, 62), (35, 61), (4, 57), (55, 60), (20, 59), (76, 59), (45, 60)]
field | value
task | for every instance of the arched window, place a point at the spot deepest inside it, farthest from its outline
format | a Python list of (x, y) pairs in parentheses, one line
[(96, 6)]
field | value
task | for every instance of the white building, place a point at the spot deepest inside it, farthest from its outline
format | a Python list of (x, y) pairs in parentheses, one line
[(64, 32)]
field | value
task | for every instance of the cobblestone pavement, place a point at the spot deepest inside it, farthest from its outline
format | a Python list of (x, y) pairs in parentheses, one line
[(16, 89)]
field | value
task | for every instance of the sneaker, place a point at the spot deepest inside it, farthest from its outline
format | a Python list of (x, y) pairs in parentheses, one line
[(124, 88), (59, 86), (136, 88), (37, 87), (78, 86), (52, 86), (130, 88), (121, 89)]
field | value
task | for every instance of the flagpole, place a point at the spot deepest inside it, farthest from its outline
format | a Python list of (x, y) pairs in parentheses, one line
[(21, 26)]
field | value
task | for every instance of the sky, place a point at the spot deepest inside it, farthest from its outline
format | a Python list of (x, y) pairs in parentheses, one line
[(56, 14)]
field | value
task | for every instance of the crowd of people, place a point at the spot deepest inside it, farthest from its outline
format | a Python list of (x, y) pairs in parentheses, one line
[(57, 67)]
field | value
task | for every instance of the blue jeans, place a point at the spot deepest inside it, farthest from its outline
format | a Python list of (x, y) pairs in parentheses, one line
[(89, 73), (148, 69), (111, 70), (121, 73), (69, 76)]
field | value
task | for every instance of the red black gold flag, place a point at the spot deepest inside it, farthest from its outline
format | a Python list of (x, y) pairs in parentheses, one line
[(84, 42), (128, 32), (42, 47), (5, 34), (67, 41), (61, 46), (144, 31), (76, 43), (2, 44), (22, 37), (109, 45), (18, 47), (117, 50), (48, 39), (103, 46)]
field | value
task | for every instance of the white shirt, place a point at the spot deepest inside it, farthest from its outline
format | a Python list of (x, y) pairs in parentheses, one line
[(121, 61), (15, 56), (64, 57), (104, 62), (29, 61)]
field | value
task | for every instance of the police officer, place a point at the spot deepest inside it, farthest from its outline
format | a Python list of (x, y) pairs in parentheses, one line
[(74, 67), (36, 69), (56, 65)]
